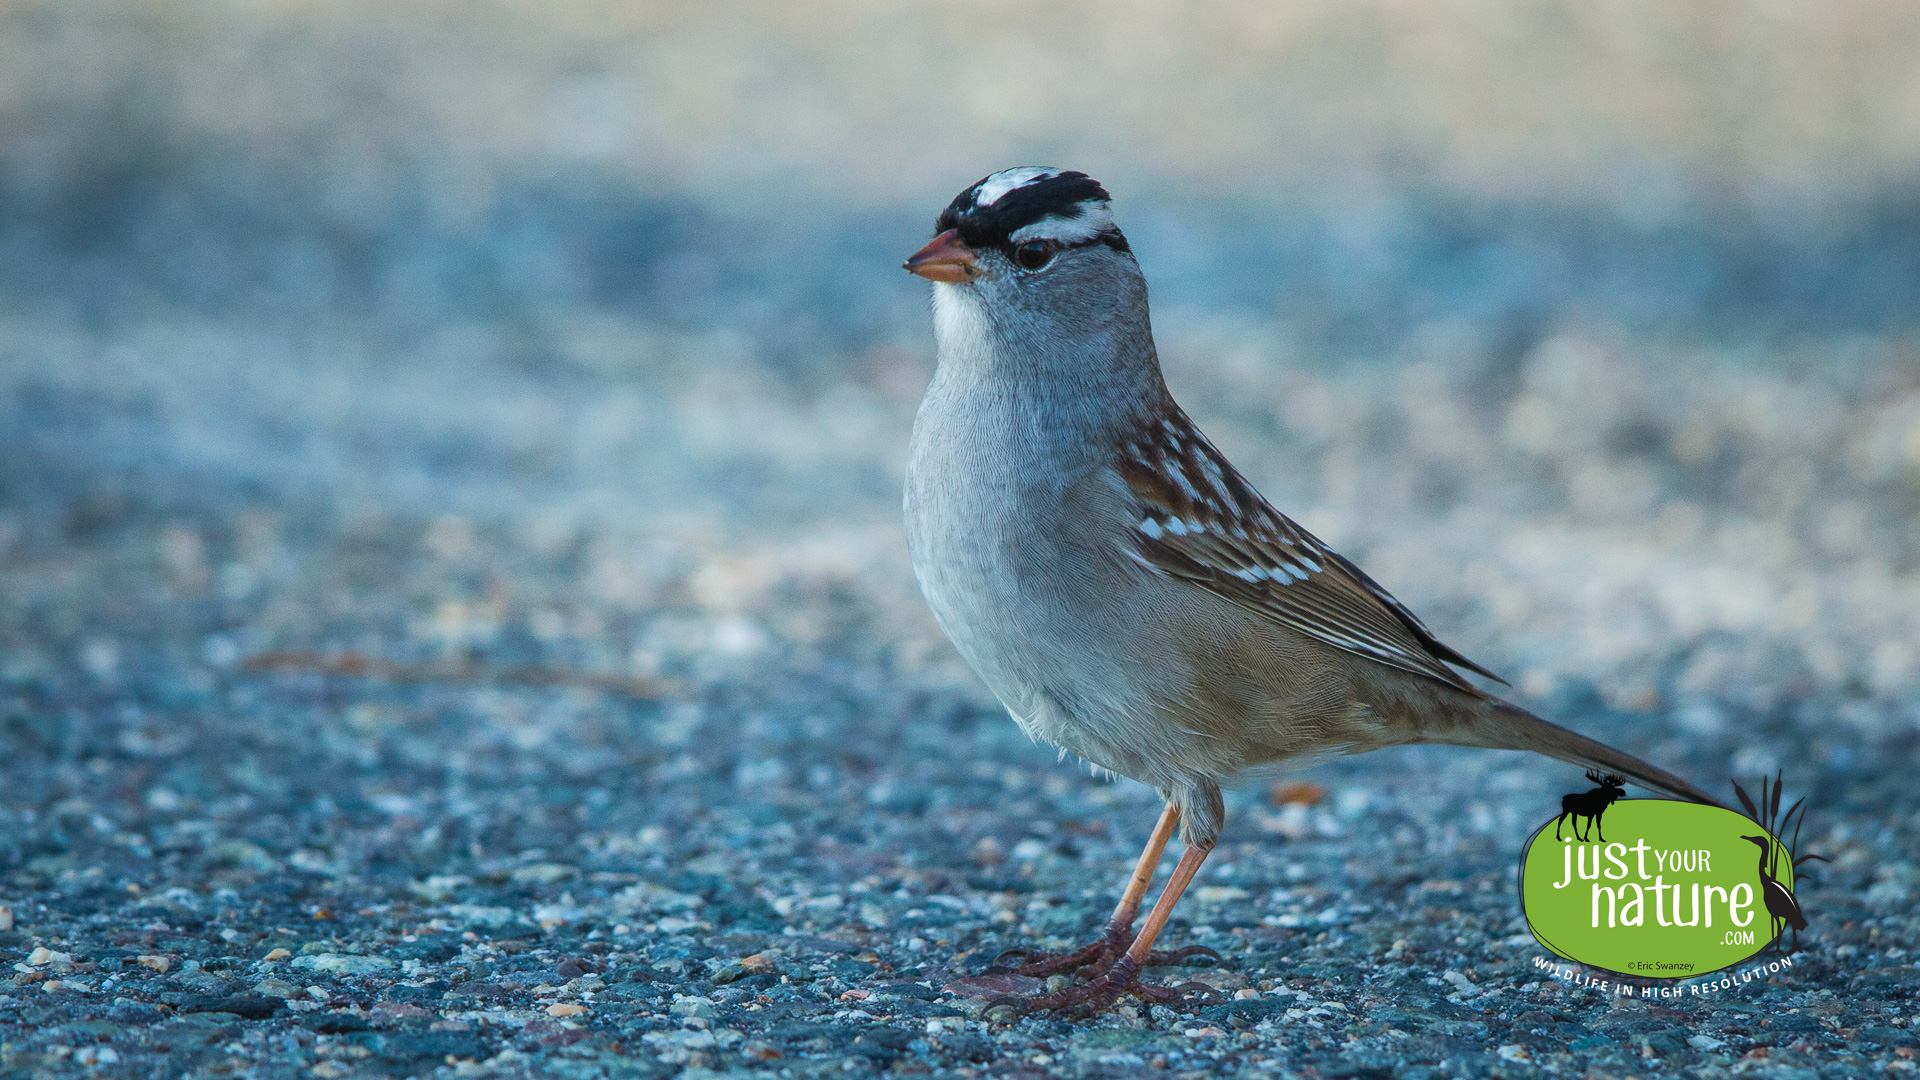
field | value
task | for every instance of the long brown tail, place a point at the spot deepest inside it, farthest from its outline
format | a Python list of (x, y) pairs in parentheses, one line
[(1502, 726)]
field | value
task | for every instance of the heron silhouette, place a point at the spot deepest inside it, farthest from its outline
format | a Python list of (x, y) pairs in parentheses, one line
[(1779, 899), (1781, 905)]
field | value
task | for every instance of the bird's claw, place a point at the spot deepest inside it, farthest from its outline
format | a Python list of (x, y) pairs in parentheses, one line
[(1094, 959), (1091, 998), (1099, 956), (1040, 964), (1178, 957)]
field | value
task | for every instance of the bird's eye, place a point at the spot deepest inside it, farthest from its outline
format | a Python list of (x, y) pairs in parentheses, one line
[(1033, 254)]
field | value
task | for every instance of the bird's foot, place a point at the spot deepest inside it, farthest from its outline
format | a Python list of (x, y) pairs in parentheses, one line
[(1094, 960), (1121, 978), (1099, 956)]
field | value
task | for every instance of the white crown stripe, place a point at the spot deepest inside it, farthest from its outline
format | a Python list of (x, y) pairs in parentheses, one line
[(1093, 219), (995, 187)]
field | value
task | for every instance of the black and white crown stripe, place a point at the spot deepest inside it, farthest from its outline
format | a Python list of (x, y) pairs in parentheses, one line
[(1200, 520), (992, 188), (1020, 205)]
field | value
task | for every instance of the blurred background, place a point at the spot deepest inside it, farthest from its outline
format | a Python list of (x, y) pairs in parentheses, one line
[(566, 343)]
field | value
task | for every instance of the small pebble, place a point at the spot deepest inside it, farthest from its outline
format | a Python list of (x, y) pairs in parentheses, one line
[(343, 964), (693, 1006), (1296, 791)]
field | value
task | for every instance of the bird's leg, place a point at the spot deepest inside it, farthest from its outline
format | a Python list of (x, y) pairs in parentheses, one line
[(1124, 976), (1102, 953), (1120, 927)]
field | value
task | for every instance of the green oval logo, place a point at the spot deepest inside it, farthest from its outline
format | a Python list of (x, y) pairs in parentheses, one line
[(1657, 889)]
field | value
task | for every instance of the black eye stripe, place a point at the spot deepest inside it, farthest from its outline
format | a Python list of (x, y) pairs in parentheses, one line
[(1006, 247), (1012, 251), (1111, 239)]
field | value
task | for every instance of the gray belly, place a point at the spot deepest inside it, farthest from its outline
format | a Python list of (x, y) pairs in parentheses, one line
[(1040, 614)]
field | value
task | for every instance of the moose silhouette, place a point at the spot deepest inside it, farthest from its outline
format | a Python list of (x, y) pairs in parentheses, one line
[(1590, 804)]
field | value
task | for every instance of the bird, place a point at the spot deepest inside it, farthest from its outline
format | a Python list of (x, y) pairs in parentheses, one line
[(1122, 589), (1781, 906)]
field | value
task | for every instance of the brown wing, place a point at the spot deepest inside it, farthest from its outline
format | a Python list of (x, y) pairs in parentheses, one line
[(1201, 521)]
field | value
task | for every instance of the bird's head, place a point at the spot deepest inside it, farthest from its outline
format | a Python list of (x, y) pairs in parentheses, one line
[(1764, 842), (1032, 249)]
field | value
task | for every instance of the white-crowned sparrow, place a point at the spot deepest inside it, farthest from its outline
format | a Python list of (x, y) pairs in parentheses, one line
[(1116, 582)]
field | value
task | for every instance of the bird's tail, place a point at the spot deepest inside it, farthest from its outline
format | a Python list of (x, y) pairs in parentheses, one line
[(1502, 726)]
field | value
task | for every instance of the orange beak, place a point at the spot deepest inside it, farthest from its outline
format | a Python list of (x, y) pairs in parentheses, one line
[(944, 258)]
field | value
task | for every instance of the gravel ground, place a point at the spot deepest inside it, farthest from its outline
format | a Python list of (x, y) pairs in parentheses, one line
[(453, 613), (302, 781)]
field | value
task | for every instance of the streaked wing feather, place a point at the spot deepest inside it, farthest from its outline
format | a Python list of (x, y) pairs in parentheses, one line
[(1202, 522)]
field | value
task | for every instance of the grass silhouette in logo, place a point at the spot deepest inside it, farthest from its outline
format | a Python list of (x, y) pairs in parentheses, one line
[(1590, 805)]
